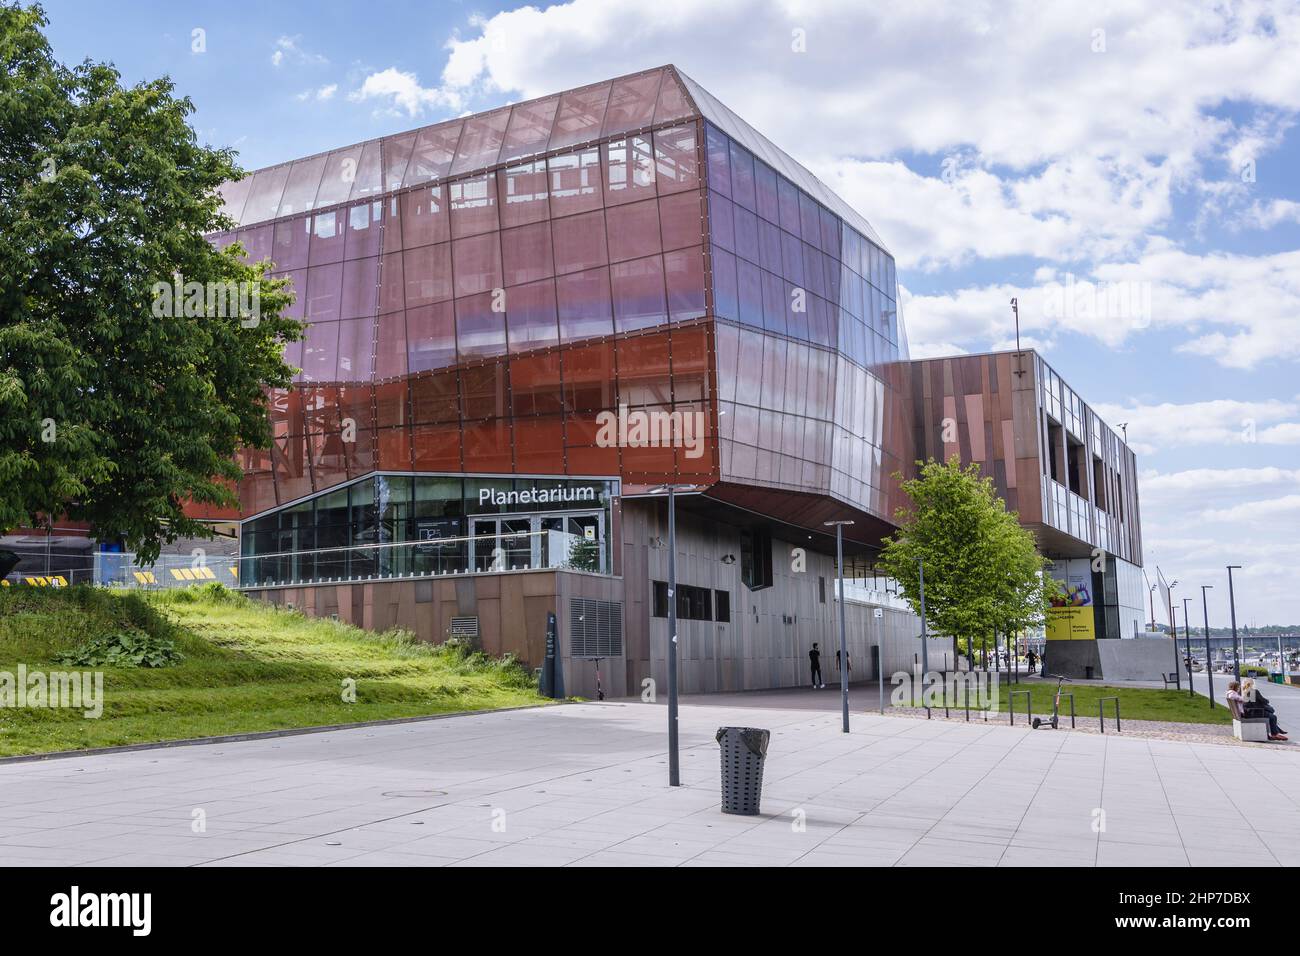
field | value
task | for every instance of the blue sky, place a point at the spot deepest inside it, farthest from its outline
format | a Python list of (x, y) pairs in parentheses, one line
[(999, 149)]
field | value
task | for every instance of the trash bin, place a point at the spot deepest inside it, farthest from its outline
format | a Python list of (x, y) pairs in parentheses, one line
[(1088, 672), (743, 751)]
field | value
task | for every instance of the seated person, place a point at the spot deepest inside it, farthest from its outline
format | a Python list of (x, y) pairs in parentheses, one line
[(1256, 704)]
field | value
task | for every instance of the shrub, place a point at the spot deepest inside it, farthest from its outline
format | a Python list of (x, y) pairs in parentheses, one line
[(125, 648)]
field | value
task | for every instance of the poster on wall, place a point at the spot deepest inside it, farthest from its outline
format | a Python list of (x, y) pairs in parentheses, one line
[(1070, 618)]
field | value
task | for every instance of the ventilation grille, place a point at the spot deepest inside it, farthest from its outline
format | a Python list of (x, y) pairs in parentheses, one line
[(464, 627), (595, 628)]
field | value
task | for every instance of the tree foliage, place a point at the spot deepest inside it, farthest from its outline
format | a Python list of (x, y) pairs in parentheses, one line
[(109, 414), (983, 573)]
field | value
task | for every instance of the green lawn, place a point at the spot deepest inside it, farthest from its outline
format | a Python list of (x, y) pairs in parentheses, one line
[(1135, 703), (246, 667)]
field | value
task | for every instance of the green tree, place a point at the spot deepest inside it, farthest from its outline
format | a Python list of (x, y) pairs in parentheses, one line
[(584, 554), (114, 409), (983, 573)]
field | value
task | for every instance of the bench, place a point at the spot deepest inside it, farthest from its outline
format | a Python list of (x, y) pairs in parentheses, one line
[(1249, 729), (1170, 678)]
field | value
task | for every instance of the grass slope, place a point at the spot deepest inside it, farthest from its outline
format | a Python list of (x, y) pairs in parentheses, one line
[(247, 667)]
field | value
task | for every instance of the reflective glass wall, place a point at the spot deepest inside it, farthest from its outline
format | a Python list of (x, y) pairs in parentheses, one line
[(480, 291), (806, 402)]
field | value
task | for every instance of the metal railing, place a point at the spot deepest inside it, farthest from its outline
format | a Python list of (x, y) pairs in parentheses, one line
[(474, 554), (1101, 713)]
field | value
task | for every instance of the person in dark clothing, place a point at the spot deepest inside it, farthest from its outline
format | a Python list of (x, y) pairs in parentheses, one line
[(815, 659), (1256, 704), (1032, 659), (837, 662)]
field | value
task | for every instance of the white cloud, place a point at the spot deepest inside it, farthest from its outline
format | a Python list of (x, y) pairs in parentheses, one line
[(320, 94), (403, 93), (1194, 522), (1065, 153), (1238, 310), (288, 50), (1165, 425)]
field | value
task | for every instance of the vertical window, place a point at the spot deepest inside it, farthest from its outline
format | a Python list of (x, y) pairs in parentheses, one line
[(722, 606)]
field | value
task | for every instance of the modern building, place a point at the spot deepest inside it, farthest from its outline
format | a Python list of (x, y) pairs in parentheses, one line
[(525, 324), (1071, 479)]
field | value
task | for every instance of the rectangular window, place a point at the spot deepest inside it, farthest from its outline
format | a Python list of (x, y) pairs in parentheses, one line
[(722, 606), (756, 559), (693, 604)]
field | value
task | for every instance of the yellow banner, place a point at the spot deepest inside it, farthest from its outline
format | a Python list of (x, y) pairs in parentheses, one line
[(1071, 624)]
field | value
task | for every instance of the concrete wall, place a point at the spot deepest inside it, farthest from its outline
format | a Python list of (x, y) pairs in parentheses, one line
[(771, 630), (1132, 659), (1137, 658)]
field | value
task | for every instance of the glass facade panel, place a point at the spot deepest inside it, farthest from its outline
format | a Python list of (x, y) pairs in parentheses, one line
[(264, 194), (300, 189), (434, 150), (480, 143), (579, 242), (575, 182), (526, 253), (473, 206), (632, 102), (529, 130), (583, 300), (523, 194), (580, 115), (339, 176), (638, 294), (676, 161)]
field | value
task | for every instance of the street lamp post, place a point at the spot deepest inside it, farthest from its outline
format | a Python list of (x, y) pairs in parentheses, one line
[(1173, 632), (1232, 609), (1152, 595), (1187, 635), (674, 764), (925, 638), (844, 651), (1209, 654)]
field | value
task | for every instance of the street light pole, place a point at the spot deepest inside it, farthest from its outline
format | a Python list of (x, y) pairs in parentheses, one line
[(1173, 632), (925, 638), (1187, 635), (674, 770), (844, 651), (1209, 654), (1232, 609), (674, 764)]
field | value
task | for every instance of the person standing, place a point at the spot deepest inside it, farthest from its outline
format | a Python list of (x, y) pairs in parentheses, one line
[(837, 664), (815, 661)]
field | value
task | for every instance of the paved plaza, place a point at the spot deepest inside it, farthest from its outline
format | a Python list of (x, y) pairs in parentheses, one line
[(585, 784)]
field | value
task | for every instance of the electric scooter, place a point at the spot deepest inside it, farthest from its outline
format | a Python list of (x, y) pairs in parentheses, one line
[(1056, 705)]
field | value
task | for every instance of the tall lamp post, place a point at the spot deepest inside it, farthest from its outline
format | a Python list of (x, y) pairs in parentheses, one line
[(1232, 609), (1173, 632), (1209, 654), (1187, 635), (925, 638), (1154, 588), (844, 651), (674, 768)]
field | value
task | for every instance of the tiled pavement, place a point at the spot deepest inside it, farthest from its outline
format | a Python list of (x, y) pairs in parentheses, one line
[(585, 784)]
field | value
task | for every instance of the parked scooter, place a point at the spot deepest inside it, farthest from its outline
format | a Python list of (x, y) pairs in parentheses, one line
[(1056, 705)]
